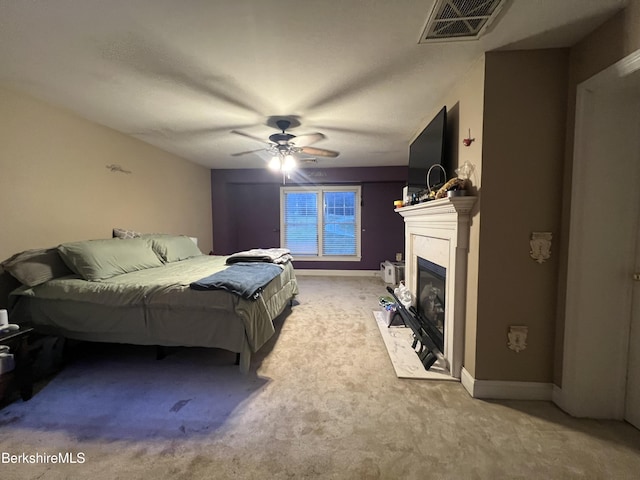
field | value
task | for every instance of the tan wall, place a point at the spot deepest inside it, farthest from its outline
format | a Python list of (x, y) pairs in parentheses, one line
[(614, 40), (522, 158), (55, 187), (464, 112)]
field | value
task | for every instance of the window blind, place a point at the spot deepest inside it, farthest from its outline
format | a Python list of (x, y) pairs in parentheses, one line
[(339, 223), (301, 222), (321, 223)]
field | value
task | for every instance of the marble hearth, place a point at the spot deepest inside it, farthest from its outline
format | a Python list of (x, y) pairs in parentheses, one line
[(438, 231)]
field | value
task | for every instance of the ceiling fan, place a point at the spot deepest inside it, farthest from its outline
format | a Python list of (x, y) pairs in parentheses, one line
[(284, 146)]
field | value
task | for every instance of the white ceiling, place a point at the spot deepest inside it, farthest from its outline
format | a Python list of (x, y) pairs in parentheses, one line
[(181, 74)]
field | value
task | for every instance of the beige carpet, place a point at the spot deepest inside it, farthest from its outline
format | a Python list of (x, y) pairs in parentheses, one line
[(322, 401)]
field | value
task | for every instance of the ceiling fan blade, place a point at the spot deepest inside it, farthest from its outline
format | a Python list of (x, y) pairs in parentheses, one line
[(307, 139), (257, 139), (319, 152), (246, 152)]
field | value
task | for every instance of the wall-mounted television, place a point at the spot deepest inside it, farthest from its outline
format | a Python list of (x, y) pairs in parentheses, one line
[(428, 149)]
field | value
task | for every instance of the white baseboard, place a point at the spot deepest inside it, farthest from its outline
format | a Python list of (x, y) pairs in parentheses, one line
[(467, 381), (336, 273), (506, 390)]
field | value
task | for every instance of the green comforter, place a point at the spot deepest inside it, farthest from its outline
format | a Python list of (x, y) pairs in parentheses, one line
[(156, 306)]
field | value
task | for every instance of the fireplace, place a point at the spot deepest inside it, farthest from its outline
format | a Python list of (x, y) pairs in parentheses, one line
[(436, 249), (430, 297)]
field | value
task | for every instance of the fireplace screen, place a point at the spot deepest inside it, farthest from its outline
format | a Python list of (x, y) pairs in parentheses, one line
[(431, 293)]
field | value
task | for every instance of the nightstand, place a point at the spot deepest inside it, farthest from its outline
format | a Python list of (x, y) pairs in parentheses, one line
[(22, 375)]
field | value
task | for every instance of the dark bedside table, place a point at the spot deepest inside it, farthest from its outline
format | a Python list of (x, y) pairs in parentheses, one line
[(18, 342)]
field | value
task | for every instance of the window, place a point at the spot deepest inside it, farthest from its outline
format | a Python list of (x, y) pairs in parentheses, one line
[(321, 223)]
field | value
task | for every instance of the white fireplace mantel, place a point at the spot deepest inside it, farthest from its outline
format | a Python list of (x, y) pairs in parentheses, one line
[(438, 231)]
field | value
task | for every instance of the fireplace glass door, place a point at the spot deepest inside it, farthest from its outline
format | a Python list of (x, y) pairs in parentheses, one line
[(431, 293)]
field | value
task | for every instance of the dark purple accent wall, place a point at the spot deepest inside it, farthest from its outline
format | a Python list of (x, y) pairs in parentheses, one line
[(246, 210)]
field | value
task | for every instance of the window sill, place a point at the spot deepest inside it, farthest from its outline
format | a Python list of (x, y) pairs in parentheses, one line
[(302, 258)]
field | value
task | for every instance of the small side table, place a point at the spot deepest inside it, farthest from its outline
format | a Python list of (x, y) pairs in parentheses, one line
[(18, 342)]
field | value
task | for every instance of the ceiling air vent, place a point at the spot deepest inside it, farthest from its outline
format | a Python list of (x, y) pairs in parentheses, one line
[(460, 19)]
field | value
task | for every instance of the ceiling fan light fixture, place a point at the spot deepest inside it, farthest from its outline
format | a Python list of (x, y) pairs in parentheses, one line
[(284, 146), (274, 163), (289, 163)]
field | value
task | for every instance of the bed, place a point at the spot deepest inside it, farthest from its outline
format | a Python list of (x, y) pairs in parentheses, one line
[(141, 291)]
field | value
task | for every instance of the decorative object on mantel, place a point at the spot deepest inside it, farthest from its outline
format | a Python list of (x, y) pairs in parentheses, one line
[(459, 185), (456, 187), (453, 188), (517, 338), (465, 170), (117, 168), (440, 191), (540, 246), (432, 194), (468, 141)]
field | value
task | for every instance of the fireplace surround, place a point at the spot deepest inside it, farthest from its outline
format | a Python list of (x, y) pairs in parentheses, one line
[(438, 232)]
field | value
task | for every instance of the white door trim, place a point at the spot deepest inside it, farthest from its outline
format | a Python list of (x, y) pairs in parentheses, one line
[(587, 391), (632, 401)]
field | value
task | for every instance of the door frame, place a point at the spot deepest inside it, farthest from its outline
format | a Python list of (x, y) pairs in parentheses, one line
[(632, 400), (595, 356)]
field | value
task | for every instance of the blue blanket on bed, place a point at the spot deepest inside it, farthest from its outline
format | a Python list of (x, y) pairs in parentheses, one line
[(246, 279)]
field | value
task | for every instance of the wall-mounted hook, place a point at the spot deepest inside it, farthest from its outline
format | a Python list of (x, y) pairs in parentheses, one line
[(467, 141), (114, 167)]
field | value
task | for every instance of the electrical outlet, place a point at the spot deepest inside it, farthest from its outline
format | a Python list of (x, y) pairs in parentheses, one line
[(399, 257)]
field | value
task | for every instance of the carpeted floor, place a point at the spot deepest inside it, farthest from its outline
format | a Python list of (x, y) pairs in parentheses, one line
[(321, 401)]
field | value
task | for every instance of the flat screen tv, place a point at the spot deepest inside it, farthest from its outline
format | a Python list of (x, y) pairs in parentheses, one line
[(426, 150)]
